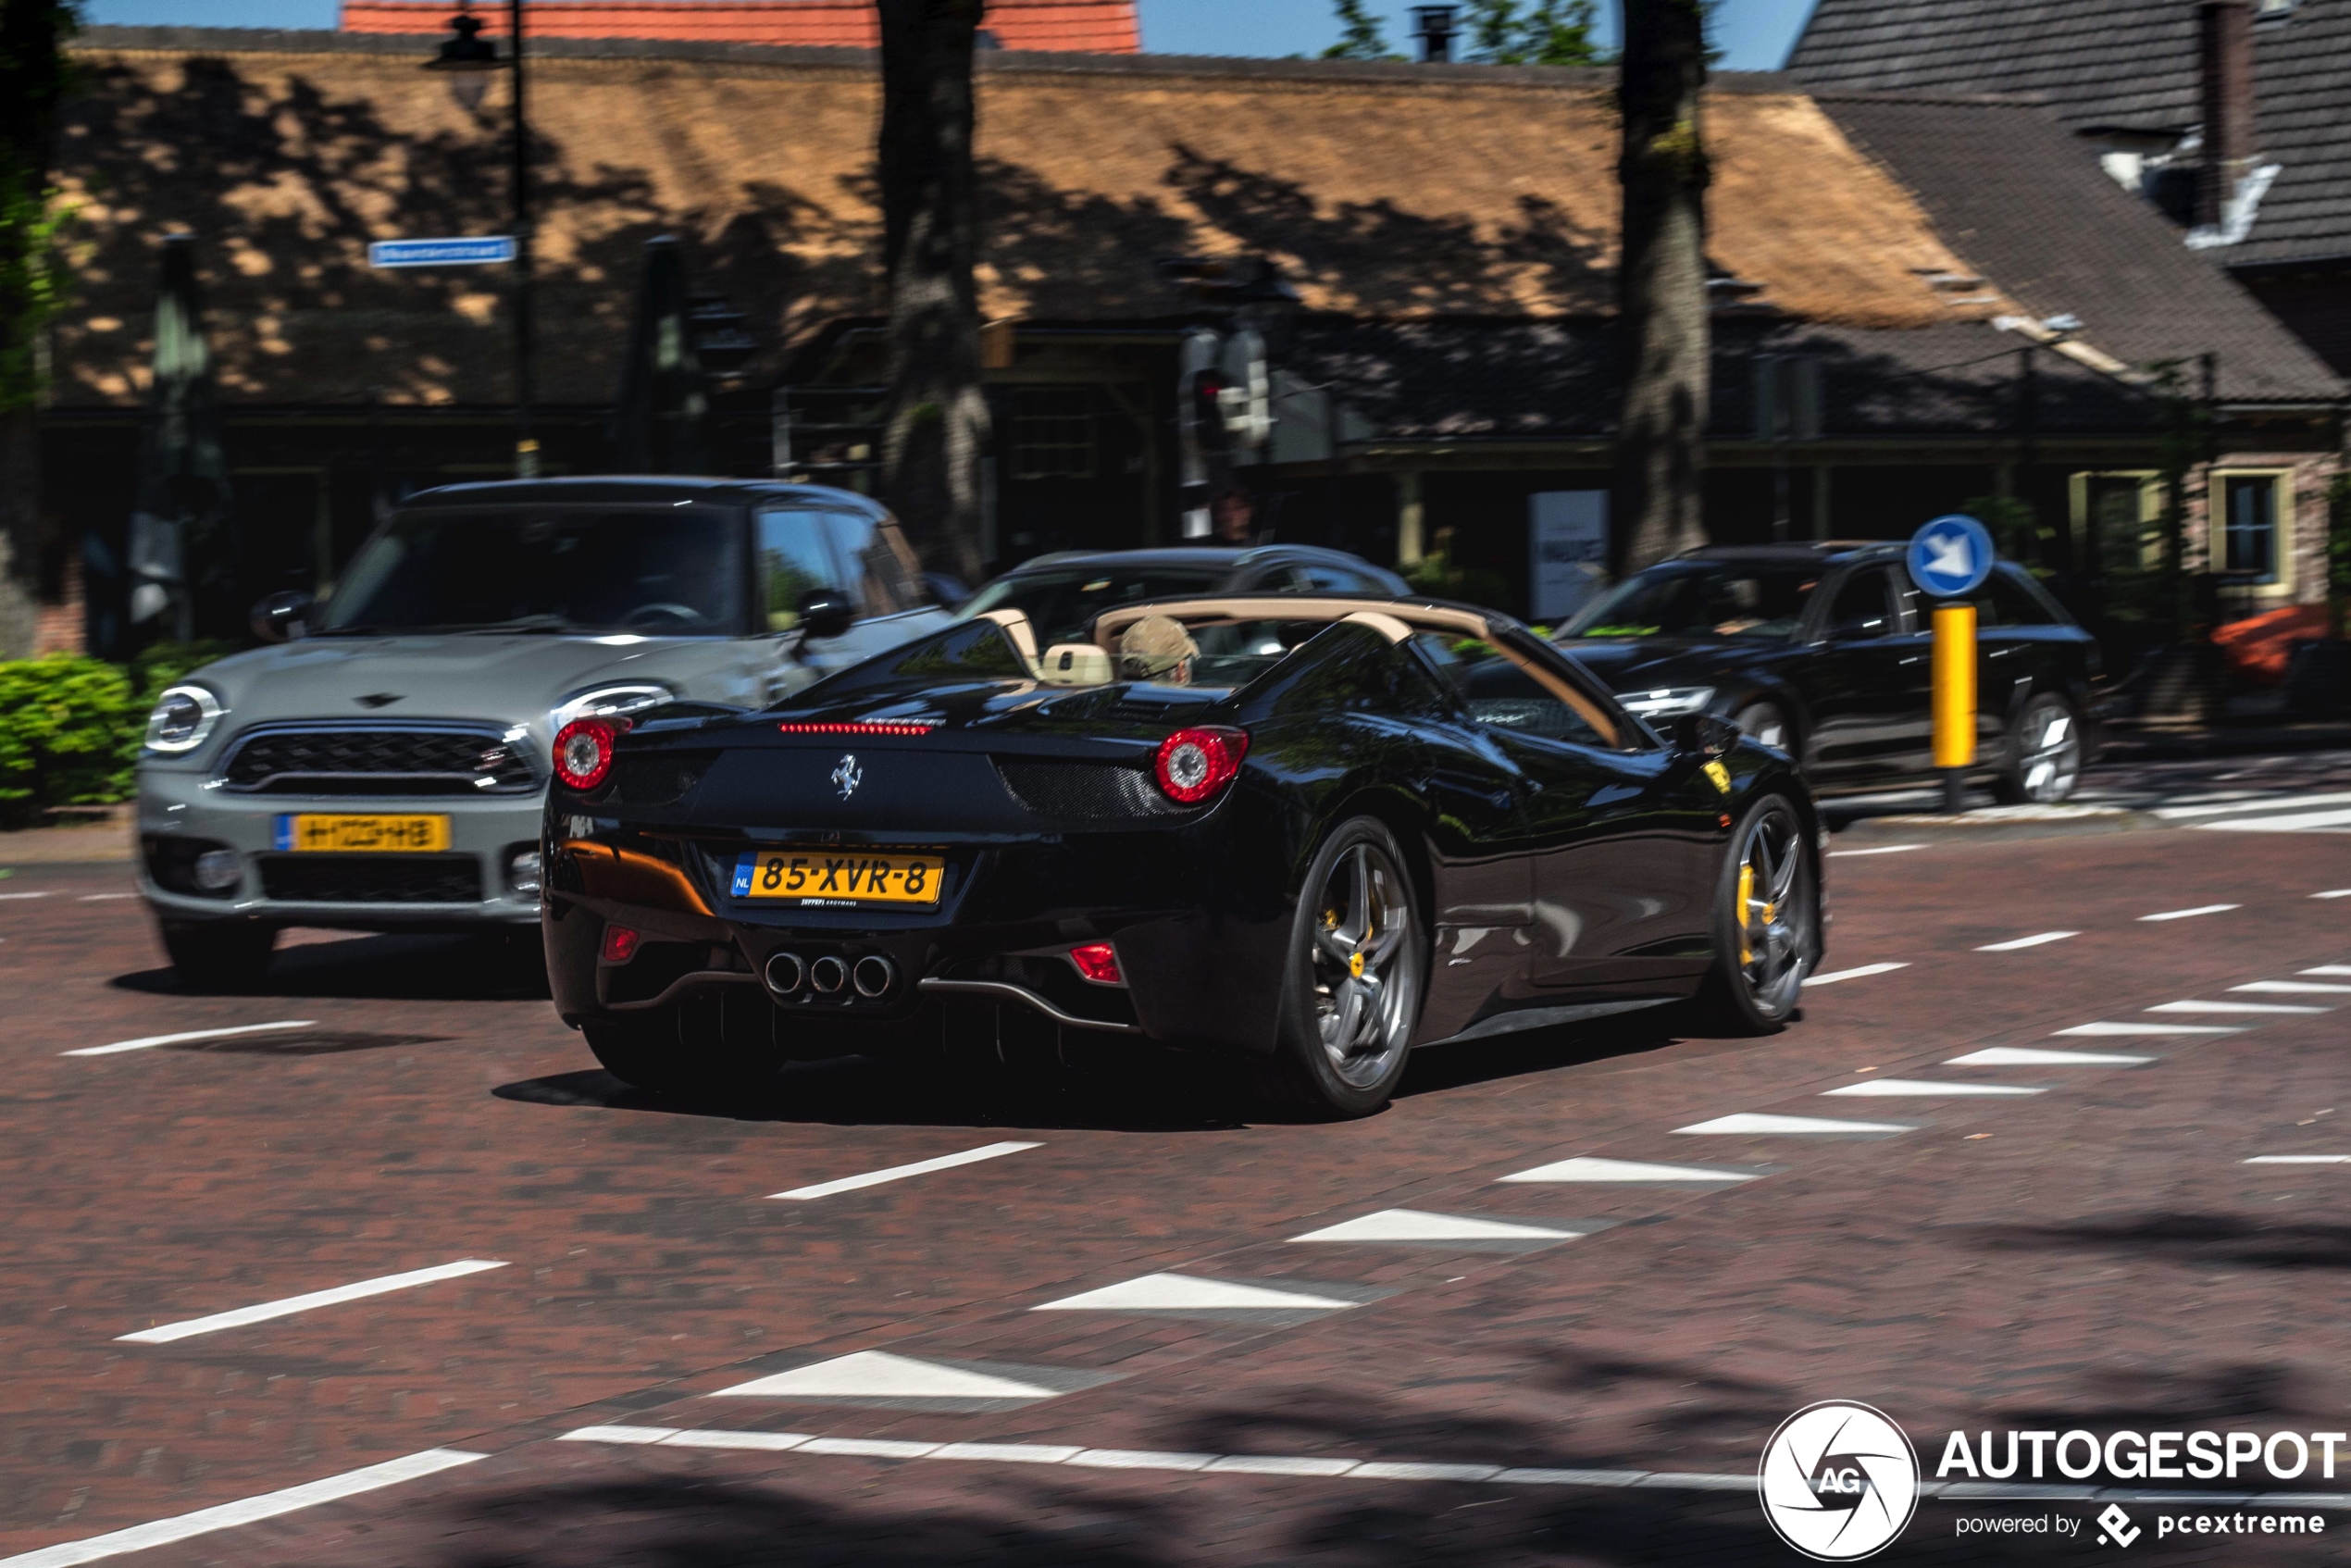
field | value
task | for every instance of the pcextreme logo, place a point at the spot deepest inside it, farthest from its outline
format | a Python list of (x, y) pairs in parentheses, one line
[(1838, 1481)]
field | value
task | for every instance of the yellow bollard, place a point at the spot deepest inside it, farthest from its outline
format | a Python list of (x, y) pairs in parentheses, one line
[(1954, 686)]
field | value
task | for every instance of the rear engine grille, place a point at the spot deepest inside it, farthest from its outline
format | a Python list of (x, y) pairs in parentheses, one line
[(372, 879), (1085, 789), (380, 762)]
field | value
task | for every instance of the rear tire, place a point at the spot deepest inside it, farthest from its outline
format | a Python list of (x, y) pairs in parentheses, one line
[(1351, 989), (215, 956), (1767, 924), (662, 1056)]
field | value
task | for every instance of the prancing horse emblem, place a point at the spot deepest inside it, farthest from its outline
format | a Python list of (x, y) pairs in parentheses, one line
[(847, 776)]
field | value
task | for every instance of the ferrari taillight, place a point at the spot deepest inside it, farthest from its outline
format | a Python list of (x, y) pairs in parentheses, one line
[(1098, 961), (1194, 765), (583, 753), (620, 944)]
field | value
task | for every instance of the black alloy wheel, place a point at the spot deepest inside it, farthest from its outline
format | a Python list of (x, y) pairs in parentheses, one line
[(2045, 760), (1357, 967), (1767, 923)]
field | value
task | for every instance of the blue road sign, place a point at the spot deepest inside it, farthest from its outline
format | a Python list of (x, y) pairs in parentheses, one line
[(488, 249), (1951, 556)]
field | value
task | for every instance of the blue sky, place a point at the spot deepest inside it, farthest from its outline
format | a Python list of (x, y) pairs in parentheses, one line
[(1755, 34)]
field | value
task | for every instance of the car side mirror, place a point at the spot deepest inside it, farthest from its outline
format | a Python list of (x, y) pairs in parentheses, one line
[(1704, 735), (282, 617), (825, 612)]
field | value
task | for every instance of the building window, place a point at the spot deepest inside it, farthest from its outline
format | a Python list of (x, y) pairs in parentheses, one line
[(2118, 521), (2252, 526), (1054, 433)]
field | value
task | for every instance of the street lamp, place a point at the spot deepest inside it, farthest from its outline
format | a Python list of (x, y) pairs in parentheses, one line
[(468, 60)]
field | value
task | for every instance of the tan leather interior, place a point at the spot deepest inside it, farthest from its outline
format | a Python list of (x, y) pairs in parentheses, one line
[(1016, 626), (1075, 664)]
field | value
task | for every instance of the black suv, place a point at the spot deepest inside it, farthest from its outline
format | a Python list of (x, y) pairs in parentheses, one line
[(1061, 593), (1825, 650)]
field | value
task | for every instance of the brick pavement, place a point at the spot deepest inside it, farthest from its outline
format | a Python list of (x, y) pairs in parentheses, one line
[(2100, 1259)]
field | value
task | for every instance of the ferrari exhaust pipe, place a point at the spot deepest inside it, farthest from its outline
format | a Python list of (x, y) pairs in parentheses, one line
[(829, 975), (786, 974), (874, 975)]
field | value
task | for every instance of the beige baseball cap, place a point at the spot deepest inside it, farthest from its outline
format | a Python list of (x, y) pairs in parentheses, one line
[(1154, 646)]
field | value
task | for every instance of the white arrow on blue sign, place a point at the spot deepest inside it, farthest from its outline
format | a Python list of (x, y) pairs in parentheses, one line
[(488, 249), (1951, 556)]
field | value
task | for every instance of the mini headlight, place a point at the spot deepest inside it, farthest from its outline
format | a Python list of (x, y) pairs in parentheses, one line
[(1671, 702), (183, 719)]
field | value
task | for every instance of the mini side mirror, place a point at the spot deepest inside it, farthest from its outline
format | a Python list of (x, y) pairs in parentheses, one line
[(1704, 735), (282, 617), (826, 612)]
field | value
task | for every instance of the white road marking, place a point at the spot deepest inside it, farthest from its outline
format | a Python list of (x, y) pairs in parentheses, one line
[(878, 1375), (1882, 848), (2328, 969), (2268, 1007), (2300, 1159), (165, 1334), (153, 1041), (2022, 942), (2334, 893), (227, 1515), (1413, 1225), (900, 1173), (23, 895), (2305, 822), (1754, 1122), (2028, 1056), (2306, 988), (101, 898), (1862, 973), (2244, 802), (1587, 1167), (1922, 1089), (2189, 914), (1179, 1292), (2114, 1028), (1333, 1467)]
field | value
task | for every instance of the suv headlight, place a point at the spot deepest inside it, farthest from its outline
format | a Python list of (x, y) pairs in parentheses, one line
[(612, 702), (183, 719), (1670, 701)]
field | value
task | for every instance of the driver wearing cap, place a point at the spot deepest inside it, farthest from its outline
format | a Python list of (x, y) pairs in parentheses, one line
[(1157, 648)]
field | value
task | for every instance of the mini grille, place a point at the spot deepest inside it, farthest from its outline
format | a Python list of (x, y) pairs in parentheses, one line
[(378, 762), (1085, 789), (372, 879)]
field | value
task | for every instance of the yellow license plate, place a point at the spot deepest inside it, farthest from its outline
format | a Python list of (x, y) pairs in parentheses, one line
[(351, 832), (823, 876)]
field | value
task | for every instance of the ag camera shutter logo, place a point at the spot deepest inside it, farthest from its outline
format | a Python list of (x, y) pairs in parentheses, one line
[(1839, 1481)]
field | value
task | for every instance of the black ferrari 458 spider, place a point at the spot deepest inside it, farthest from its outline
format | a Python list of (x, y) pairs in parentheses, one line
[(1316, 832)]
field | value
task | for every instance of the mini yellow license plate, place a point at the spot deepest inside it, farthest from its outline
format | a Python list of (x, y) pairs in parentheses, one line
[(349, 833), (822, 877)]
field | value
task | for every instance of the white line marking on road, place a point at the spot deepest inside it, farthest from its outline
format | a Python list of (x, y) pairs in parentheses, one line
[(153, 1041), (2306, 822), (1862, 973), (227, 1515), (900, 1173), (2028, 1056), (2287, 1008), (1755, 1122), (2114, 1028), (1413, 1225), (1881, 849), (23, 895), (2022, 942), (102, 898), (1179, 1292), (878, 1374), (1922, 1089), (2189, 914), (166, 1333), (2334, 893), (2327, 969), (1331, 1467), (2306, 988), (1587, 1168), (2300, 1159), (2250, 802)]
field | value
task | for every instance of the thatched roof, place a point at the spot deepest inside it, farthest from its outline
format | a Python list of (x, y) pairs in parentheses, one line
[(1387, 191)]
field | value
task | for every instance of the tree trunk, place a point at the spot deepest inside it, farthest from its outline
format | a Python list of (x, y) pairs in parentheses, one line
[(1660, 455), (32, 75), (937, 426)]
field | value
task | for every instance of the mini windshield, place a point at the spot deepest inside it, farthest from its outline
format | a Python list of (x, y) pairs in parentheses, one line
[(1058, 603), (1701, 599), (661, 572)]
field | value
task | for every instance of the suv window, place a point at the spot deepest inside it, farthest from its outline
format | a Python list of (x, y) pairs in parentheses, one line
[(882, 573), (1316, 576), (1863, 607), (793, 559), (2006, 601)]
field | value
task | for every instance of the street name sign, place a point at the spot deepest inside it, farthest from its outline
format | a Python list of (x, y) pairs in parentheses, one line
[(487, 250), (1951, 556)]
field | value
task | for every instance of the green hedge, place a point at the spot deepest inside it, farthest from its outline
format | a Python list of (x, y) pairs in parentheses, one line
[(71, 727)]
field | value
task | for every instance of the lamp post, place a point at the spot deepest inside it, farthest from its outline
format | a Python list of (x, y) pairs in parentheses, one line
[(467, 60)]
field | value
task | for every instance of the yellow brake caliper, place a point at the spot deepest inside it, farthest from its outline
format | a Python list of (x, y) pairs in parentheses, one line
[(1746, 895)]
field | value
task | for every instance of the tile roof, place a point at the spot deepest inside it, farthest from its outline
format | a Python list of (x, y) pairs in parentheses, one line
[(2122, 64), (2026, 203), (1100, 27)]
